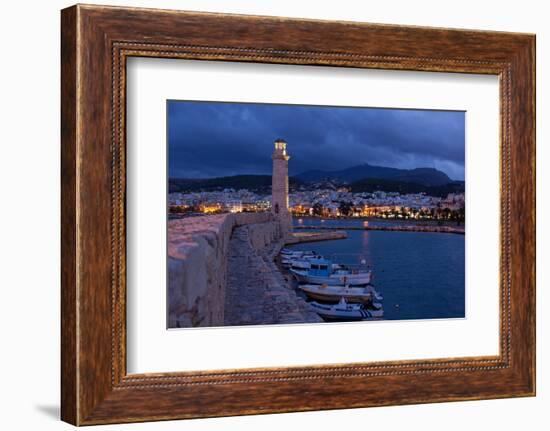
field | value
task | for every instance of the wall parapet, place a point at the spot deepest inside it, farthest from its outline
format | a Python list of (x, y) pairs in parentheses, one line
[(197, 263)]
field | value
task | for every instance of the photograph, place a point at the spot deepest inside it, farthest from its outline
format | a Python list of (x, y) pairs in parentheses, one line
[(306, 214)]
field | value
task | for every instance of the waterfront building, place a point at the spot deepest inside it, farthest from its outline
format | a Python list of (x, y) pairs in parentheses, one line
[(233, 206), (257, 205), (279, 186)]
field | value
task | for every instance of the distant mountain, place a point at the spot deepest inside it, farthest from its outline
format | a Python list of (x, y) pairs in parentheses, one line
[(423, 176), (220, 183), (362, 178), (370, 185), (258, 183)]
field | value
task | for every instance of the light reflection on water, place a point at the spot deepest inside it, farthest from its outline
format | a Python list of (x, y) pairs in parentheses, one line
[(420, 274)]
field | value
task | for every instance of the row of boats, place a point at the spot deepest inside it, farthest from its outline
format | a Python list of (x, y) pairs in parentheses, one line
[(337, 291)]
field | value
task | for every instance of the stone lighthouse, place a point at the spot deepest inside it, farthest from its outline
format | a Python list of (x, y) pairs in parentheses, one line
[(279, 187)]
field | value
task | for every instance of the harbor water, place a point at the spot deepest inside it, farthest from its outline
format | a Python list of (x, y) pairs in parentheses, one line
[(421, 275)]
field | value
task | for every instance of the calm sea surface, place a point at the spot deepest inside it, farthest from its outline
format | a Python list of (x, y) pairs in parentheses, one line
[(419, 274)]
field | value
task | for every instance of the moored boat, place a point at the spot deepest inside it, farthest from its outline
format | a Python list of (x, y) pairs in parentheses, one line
[(306, 262), (345, 312), (287, 253), (322, 271), (288, 258), (334, 294)]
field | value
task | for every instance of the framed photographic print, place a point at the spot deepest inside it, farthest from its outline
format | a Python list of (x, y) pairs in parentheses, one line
[(322, 214)]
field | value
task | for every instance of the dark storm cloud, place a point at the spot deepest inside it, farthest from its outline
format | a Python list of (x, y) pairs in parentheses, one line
[(210, 139)]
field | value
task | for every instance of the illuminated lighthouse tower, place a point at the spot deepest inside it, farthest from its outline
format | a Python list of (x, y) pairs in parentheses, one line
[(279, 186)]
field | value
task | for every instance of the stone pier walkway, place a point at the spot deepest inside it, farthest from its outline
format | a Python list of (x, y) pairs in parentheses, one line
[(257, 293)]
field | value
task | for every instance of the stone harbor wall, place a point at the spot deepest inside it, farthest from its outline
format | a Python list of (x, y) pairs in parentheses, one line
[(198, 254), (257, 292)]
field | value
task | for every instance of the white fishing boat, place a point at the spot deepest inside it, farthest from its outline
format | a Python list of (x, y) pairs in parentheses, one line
[(334, 294), (305, 262), (344, 311), (377, 314), (286, 252), (322, 271), (288, 259), (376, 305)]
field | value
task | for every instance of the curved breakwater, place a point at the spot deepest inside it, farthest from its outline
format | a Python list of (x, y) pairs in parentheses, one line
[(395, 228), (222, 272)]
